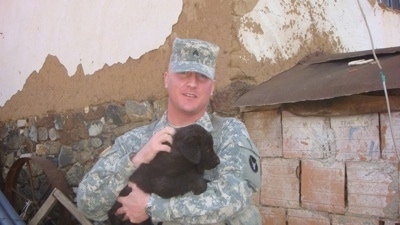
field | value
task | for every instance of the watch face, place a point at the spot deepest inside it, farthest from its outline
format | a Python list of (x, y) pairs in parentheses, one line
[(148, 207)]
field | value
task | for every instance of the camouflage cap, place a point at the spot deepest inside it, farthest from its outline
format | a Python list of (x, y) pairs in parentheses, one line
[(193, 55)]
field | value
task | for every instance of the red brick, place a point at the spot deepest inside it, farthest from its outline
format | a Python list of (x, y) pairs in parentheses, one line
[(280, 184), (356, 137), (323, 186), (372, 188), (387, 146), (305, 137), (351, 220), (304, 217), (273, 216), (265, 130)]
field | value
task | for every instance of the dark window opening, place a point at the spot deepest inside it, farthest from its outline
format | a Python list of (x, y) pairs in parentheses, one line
[(395, 4)]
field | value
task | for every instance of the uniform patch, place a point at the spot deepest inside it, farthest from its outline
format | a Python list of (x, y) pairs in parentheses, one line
[(253, 164)]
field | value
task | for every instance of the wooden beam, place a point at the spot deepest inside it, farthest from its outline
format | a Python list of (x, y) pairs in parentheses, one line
[(57, 195), (71, 208)]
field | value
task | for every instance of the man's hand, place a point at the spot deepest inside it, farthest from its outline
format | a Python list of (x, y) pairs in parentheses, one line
[(155, 144), (133, 205)]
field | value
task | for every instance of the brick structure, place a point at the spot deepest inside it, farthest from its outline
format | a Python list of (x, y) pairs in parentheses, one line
[(280, 182), (323, 186), (266, 132), (332, 170), (373, 188)]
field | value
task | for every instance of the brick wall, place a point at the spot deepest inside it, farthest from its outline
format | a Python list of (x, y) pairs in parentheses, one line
[(327, 170)]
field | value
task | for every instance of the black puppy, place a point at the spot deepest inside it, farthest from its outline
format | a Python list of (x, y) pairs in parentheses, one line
[(176, 172)]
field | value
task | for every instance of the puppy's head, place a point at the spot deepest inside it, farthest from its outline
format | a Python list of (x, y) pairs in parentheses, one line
[(197, 145)]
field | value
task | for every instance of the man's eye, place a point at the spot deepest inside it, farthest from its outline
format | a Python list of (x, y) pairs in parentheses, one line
[(202, 77)]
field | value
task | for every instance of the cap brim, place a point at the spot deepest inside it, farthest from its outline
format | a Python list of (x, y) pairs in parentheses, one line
[(179, 67)]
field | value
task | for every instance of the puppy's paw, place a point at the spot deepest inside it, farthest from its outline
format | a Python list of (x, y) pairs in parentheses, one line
[(199, 186)]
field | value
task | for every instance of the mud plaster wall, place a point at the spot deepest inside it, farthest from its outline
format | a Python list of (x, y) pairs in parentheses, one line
[(51, 89)]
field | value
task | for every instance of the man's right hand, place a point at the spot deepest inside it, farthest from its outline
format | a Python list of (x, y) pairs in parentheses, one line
[(153, 146), (133, 205)]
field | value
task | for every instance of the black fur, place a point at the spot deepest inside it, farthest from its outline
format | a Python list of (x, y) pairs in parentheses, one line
[(177, 172)]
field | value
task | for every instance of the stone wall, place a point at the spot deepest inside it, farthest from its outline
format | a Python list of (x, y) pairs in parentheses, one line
[(327, 170), (73, 140)]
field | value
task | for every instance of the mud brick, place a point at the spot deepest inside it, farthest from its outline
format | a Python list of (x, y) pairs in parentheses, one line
[(323, 186), (306, 137), (351, 220), (357, 137), (273, 216), (265, 130), (372, 188), (280, 184), (387, 145), (304, 217)]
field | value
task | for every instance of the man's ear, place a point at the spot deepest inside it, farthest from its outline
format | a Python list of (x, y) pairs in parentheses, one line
[(165, 79), (192, 153)]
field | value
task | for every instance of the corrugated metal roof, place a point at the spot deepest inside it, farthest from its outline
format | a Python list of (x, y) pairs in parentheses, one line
[(325, 77)]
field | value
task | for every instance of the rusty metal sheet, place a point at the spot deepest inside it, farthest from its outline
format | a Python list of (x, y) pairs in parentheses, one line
[(325, 77)]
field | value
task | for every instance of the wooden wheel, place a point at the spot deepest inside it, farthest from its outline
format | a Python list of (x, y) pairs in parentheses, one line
[(28, 184)]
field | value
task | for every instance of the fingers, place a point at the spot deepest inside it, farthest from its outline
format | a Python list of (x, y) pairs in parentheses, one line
[(165, 135), (171, 131), (120, 210), (154, 145), (133, 205), (160, 138)]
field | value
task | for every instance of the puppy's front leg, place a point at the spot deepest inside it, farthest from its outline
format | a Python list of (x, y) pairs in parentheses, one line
[(198, 186)]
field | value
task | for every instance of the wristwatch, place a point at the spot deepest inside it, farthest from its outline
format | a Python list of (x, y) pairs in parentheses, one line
[(149, 206)]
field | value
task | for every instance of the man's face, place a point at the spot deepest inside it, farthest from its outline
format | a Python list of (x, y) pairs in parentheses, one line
[(189, 92)]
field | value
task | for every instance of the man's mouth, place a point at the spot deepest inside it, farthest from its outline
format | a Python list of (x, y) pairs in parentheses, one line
[(189, 95)]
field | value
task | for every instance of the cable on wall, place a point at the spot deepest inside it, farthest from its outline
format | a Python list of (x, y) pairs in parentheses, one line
[(383, 78)]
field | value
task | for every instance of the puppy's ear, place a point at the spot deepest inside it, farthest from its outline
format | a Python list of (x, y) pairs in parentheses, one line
[(192, 153)]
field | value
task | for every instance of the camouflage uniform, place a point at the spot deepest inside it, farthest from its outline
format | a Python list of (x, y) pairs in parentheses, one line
[(227, 199)]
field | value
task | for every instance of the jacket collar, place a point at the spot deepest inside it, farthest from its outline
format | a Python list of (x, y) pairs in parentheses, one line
[(204, 121)]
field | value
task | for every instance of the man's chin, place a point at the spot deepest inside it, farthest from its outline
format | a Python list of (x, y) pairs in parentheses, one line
[(192, 110)]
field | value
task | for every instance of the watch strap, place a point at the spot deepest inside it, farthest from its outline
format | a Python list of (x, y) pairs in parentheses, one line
[(149, 206)]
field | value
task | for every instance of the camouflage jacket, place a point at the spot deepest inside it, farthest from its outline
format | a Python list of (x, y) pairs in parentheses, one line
[(227, 199)]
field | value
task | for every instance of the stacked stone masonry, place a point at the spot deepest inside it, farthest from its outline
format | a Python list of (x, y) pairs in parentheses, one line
[(73, 140), (315, 170)]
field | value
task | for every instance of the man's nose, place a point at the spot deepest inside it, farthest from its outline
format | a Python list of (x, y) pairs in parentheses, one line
[(192, 79)]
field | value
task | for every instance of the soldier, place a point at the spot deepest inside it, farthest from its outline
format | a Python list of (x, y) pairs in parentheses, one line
[(190, 83)]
